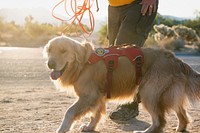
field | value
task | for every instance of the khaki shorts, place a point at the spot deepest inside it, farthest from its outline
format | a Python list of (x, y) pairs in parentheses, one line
[(127, 25)]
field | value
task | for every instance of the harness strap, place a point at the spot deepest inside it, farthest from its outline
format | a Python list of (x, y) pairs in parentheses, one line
[(109, 78), (138, 69)]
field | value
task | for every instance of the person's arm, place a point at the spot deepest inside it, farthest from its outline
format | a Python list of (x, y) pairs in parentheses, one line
[(148, 6)]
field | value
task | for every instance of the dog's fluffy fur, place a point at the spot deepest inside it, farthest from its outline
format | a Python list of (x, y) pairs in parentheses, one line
[(167, 83)]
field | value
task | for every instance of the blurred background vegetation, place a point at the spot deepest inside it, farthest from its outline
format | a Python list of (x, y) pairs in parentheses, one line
[(169, 33), (35, 34)]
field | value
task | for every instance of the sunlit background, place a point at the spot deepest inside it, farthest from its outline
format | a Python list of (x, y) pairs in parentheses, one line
[(178, 8), (35, 12)]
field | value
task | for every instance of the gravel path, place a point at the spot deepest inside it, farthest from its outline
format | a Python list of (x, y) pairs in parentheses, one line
[(29, 102)]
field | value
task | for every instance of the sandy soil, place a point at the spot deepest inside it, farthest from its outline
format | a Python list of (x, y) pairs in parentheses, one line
[(29, 102)]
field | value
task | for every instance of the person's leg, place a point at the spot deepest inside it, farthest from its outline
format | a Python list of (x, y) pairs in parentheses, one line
[(113, 24), (134, 29), (122, 112), (130, 16)]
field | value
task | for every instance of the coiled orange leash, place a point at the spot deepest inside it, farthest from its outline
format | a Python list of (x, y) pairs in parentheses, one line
[(78, 12)]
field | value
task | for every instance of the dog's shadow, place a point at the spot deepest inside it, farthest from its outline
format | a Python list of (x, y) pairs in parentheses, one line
[(135, 125), (132, 125), (127, 126)]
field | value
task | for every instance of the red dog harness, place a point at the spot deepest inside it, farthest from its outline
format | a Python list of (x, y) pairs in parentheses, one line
[(110, 56)]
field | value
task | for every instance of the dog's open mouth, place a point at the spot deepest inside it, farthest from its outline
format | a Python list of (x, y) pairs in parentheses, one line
[(57, 74)]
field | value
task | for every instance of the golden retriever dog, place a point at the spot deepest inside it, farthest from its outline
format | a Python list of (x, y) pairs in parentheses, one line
[(167, 83)]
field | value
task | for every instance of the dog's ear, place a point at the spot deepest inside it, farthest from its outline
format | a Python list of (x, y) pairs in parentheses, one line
[(79, 53), (45, 50), (88, 46)]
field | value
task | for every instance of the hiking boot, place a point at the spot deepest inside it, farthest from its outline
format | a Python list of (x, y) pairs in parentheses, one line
[(125, 112)]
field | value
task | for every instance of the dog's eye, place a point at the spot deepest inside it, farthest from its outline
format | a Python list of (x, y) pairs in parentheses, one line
[(62, 51), (49, 49)]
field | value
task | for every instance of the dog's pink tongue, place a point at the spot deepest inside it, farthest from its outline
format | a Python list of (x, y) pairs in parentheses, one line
[(55, 75)]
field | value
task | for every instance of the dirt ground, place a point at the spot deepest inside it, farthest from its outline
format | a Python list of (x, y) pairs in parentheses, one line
[(29, 102)]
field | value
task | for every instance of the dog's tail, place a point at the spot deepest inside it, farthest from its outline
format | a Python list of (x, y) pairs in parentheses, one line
[(193, 84)]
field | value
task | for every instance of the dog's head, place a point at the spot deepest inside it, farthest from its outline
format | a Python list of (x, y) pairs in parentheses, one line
[(61, 52)]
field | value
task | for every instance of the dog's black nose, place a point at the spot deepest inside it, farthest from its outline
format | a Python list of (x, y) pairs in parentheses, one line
[(51, 64)]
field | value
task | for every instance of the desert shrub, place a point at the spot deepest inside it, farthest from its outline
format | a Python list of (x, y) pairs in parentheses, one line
[(176, 37), (174, 44), (36, 30), (164, 30), (72, 29), (102, 38), (33, 33), (186, 33), (150, 42)]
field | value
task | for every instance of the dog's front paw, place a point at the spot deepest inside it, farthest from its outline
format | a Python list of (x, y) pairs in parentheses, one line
[(59, 130), (86, 128), (139, 132)]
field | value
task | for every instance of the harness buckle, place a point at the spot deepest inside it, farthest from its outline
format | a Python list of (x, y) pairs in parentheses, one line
[(110, 65)]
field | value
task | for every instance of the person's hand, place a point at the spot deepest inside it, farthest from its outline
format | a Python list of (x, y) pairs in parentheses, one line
[(148, 6)]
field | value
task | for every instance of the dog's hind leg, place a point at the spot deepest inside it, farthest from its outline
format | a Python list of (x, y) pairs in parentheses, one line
[(158, 120), (183, 119), (156, 109)]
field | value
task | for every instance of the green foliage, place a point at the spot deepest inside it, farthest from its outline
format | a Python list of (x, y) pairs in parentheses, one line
[(194, 23), (35, 30), (167, 20)]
